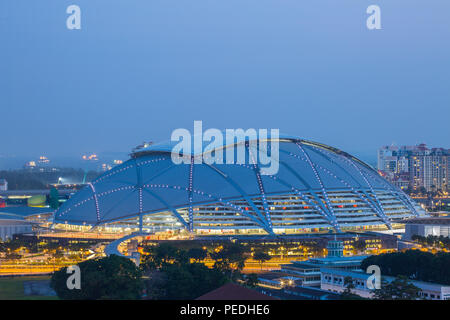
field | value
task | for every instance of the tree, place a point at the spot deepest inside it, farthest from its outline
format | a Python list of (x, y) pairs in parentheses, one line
[(314, 249), (414, 264), (399, 289), (197, 254), (422, 190), (417, 238), (262, 257), (359, 245), (251, 280), (13, 256), (156, 285), (157, 256), (231, 256), (58, 254), (349, 285), (112, 277), (172, 276), (184, 281), (348, 294), (13, 244), (54, 199)]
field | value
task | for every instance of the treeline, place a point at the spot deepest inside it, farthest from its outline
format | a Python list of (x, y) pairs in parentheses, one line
[(414, 264), (435, 241), (165, 273), (422, 191), (111, 278), (34, 245), (175, 273), (36, 180)]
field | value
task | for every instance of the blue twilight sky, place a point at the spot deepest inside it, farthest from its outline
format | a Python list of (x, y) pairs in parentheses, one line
[(139, 69)]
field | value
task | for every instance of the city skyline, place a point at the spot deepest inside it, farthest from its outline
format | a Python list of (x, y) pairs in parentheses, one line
[(12, 162), (415, 167)]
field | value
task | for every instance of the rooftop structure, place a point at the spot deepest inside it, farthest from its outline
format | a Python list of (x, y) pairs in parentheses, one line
[(308, 293), (316, 189), (232, 291)]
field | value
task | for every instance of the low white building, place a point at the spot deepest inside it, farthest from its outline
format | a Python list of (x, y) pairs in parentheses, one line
[(11, 224), (425, 227), (333, 280)]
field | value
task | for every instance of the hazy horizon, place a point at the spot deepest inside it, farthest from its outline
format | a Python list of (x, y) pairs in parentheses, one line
[(138, 70)]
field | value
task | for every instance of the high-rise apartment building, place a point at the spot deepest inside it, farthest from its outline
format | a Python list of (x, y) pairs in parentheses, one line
[(415, 166), (392, 159)]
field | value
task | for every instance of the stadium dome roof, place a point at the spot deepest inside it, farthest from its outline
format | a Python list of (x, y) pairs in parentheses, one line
[(334, 189)]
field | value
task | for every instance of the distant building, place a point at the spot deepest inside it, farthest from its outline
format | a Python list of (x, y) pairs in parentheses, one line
[(333, 281), (392, 159), (90, 157), (3, 185), (43, 161), (106, 167), (415, 166), (30, 165), (42, 164), (427, 226), (11, 224)]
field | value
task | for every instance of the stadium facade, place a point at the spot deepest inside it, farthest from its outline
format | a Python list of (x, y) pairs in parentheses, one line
[(316, 189)]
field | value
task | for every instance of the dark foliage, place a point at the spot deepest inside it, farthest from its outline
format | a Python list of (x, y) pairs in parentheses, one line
[(113, 277), (188, 281), (399, 289), (413, 264)]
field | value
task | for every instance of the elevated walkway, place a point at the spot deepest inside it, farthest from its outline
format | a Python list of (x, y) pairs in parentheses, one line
[(113, 247)]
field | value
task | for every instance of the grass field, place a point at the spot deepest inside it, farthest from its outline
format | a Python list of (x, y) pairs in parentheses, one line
[(11, 288)]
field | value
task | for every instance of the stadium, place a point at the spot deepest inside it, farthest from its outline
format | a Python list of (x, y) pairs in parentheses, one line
[(317, 189)]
